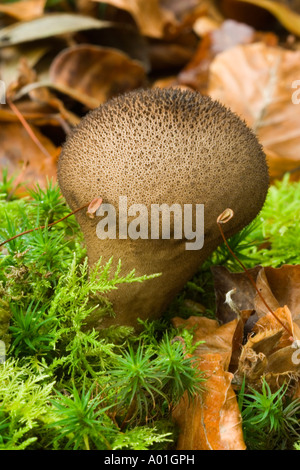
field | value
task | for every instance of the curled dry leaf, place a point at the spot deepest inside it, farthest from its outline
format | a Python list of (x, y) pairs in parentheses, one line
[(269, 322), (212, 421), (19, 153), (270, 353), (287, 17), (150, 16), (12, 58), (268, 349), (52, 24), (35, 113), (24, 10), (229, 34), (163, 18), (96, 72), (280, 287), (244, 291), (260, 91)]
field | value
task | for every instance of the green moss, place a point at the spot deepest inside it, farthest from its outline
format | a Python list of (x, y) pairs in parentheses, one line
[(62, 385)]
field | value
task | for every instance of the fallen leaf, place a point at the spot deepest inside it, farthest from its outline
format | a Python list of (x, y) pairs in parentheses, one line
[(11, 58), (163, 18), (81, 97), (151, 17), (212, 421), (25, 9), (260, 91), (243, 297), (123, 38), (287, 17), (96, 72), (165, 55), (279, 287), (269, 352), (52, 24), (229, 34), (19, 153), (35, 113), (269, 321), (217, 339)]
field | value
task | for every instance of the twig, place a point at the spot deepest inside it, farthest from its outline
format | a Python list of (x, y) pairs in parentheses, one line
[(27, 127), (44, 226)]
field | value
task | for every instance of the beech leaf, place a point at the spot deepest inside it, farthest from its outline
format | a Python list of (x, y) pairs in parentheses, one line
[(288, 18), (150, 16), (260, 91), (49, 25), (96, 72), (24, 10), (212, 421), (19, 153)]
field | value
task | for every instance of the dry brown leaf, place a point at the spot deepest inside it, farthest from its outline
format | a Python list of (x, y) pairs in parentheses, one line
[(166, 55), (24, 10), (151, 18), (260, 91), (279, 287), (287, 17), (48, 26), (88, 101), (228, 35), (269, 353), (12, 57), (18, 153), (212, 421), (243, 297), (96, 72), (217, 339), (253, 360), (34, 113), (164, 18)]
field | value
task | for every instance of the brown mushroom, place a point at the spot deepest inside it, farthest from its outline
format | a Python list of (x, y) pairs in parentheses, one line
[(161, 146)]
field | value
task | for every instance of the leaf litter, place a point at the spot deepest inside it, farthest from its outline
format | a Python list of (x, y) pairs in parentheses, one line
[(185, 44)]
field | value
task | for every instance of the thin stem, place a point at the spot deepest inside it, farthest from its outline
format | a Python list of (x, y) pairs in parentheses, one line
[(27, 127), (223, 219), (44, 226)]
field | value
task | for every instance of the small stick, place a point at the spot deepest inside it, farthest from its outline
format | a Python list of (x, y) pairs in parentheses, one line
[(223, 219), (92, 207), (27, 127), (44, 226)]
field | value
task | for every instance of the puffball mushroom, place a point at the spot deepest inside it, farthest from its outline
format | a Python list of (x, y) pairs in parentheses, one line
[(161, 146)]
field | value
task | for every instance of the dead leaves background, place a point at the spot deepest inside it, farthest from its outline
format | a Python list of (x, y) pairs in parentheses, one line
[(250, 346), (58, 63)]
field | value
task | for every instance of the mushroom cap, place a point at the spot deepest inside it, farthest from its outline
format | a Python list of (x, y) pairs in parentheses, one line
[(160, 146)]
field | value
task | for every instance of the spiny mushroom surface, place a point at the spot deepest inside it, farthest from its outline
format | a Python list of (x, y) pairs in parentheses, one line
[(161, 146)]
